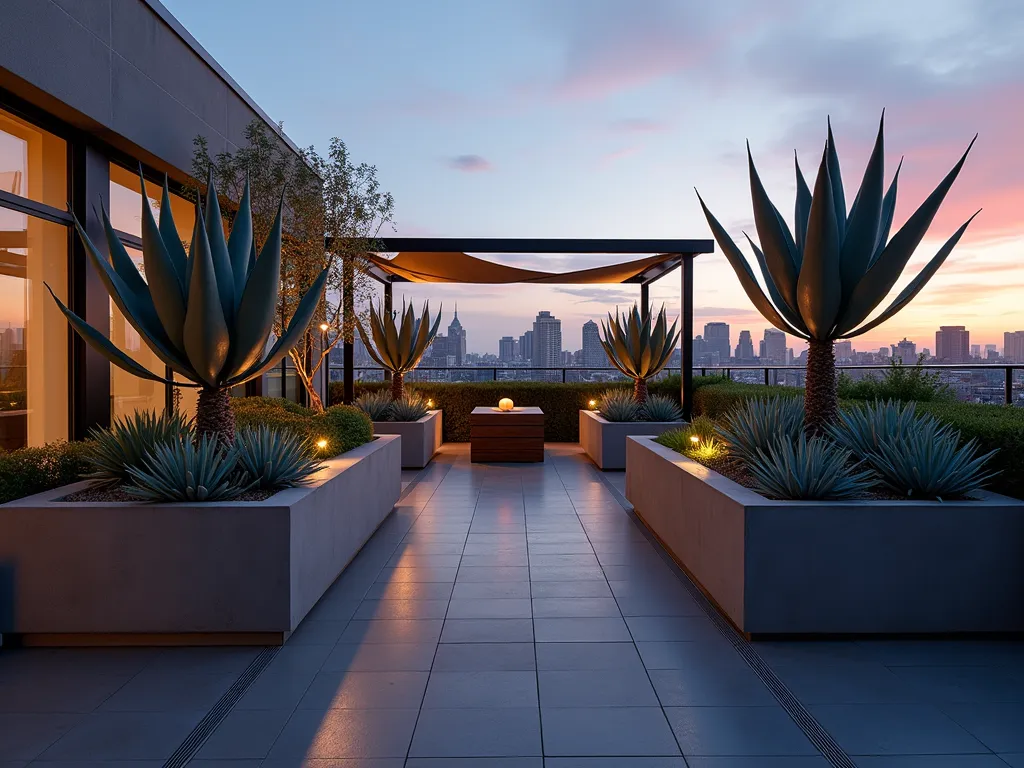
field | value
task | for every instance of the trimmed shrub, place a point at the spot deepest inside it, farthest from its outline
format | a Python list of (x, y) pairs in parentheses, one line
[(900, 382), (716, 398), (344, 427), (27, 471)]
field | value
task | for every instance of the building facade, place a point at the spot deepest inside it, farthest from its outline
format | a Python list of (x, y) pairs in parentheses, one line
[(457, 339), (526, 347), (1013, 346), (716, 341), (745, 348), (593, 352), (773, 347), (547, 341), (506, 349), (905, 351), (953, 344), (123, 84)]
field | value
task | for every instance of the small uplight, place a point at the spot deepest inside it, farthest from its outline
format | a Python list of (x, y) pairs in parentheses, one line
[(321, 443), (593, 403), (694, 439), (505, 404), (324, 327), (430, 403)]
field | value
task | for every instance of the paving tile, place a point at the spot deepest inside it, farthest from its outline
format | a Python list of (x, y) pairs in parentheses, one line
[(124, 736), (416, 559), (315, 632), (587, 656), (626, 731), (554, 607), (891, 729), (614, 762), (683, 655), (930, 761), (393, 631), (486, 608), (711, 685), (581, 630), (671, 628), (762, 761), (438, 574), (997, 726), (564, 560), (365, 690), (493, 573), (591, 588), (516, 559), (28, 689), (409, 590), (475, 762), (487, 631), (562, 548), (244, 735), (26, 736), (164, 691), (625, 687), (485, 657), (401, 609), (481, 690), (477, 733), (380, 657), (348, 733), (965, 684), (735, 731), (1015, 760), (854, 682), (491, 590), (656, 605)]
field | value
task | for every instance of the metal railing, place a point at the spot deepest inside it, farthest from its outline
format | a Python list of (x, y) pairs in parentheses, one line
[(973, 382)]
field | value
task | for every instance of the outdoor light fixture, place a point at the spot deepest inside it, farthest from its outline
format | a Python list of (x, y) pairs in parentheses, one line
[(430, 403), (321, 443), (324, 327), (694, 439), (593, 403), (505, 404)]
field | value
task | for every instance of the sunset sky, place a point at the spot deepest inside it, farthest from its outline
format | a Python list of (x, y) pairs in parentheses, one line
[(597, 118)]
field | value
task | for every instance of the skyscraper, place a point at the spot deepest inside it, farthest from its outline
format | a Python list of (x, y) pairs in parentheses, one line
[(526, 347), (905, 352), (457, 339), (593, 352), (547, 340), (506, 349), (952, 344), (773, 347), (843, 350), (716, 339), (745, 348), (1013, 346), (976, 351)]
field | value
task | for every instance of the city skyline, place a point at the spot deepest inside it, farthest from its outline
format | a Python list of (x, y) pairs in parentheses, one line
[(593, 135)]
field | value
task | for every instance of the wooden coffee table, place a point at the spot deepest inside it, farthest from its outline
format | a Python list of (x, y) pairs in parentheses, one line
[(516, 435)]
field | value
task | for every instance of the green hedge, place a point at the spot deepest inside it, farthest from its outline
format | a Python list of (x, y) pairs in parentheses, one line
[(343, 426), (716, 398), (33, 470), (560, 402)]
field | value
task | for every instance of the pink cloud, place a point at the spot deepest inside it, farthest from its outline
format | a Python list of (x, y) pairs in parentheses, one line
[(470, 164)]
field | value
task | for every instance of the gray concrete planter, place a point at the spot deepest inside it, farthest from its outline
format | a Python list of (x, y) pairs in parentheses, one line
[(605, 441), (866, 567), (420, 439), (213, 573)]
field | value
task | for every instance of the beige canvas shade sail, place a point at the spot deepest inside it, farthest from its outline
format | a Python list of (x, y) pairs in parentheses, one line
[(458, 267)]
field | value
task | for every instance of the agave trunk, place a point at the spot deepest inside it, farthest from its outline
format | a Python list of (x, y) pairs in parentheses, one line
[(214, 415), (640, 390), (397, 385), (821, 400)]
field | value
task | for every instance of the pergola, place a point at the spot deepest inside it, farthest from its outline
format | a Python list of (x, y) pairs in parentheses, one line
[(447, 260)]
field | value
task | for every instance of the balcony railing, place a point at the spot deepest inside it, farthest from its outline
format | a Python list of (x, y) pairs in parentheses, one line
[(972, 382)]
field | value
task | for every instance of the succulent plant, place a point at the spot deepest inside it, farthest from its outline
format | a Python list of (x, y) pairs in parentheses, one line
[(662, 408), (186, 470), (376, 405), (618, 405), (864, 427), (698, 440), (409, 408), (829, 273), (928, 462), (807, 468), (110, 452), (638, 348), (756, 424), (275, 459), (207, 314), (395, 349)]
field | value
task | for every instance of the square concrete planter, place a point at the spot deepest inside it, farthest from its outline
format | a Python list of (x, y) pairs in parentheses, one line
[(605, 441), (809, 568), (103, 573), (420, 439)]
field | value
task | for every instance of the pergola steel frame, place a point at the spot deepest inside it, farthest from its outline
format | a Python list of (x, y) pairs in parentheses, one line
[(683, 252)]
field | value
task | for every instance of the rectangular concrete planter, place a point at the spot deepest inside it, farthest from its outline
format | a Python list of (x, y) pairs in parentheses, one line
[(605, 441), (420, 439), (103, 573), (864, 567)]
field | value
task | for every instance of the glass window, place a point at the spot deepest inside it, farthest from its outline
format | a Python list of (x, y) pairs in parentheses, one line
[(129, 393), (126, 205), (33, 163), (33, 334)]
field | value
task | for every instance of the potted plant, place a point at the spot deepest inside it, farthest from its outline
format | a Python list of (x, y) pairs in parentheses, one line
[(640, 350), (398, 349), (193, 533)]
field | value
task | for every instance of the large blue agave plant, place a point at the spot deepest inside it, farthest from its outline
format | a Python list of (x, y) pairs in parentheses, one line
[(827, 275), (207, 314)]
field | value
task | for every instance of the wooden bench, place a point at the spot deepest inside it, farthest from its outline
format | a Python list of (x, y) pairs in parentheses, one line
[(516, 435)]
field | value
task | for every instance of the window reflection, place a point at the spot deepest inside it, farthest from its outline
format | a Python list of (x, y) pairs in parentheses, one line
[(126, 205), (33, 164), (33, 334)]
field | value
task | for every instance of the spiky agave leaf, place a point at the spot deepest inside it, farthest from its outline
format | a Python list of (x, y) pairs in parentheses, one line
[(807, 469), (399, 349), (376, 405), (275, 459), (756, 424), (634, 347), (184, 470), (662, 408), (110, 452), (863, 428), (412, 407), (618, 405)]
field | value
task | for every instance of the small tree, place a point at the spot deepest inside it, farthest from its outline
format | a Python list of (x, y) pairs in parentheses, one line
[(332, 206), (639, 348)]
